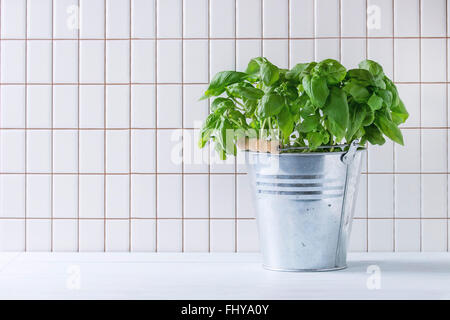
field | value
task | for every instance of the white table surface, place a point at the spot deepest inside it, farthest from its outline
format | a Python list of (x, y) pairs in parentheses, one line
[(217, 276)]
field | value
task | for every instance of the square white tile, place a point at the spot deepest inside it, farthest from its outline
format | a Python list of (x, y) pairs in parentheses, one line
[(118, 18), (245, 205), (353, 51), (92, 156), (434, 155), (381, 158), (222, 235), (247, 236), (39, 63), (92, 106), (169, 61), (379, 18), (169, 235), (169, 106), (434, 105), (248, 18), (65, 151), (39, 151), (39, 106), (12, 111), (65, 196), (433, 58), (92, 61), (381, 50), (433, 14), (195, 61), (169, 155), (406, 60), (117, 61), (65, 235), (361, 199), (275, 15), (327, 48), (117, 196), (117, 235), (353, 18), (13, 19), (381, 235), (12, 151), (65, 107), (300, 27), (39, 234), (92, 19), (195, 18), (222, 190), (12, 195), (434, 195), (65, 61), (12, 235), (196, 196), (222, 21), (218, 165), (143, 110), (221, 56), (410, 95), (169, 24), (380, 197), (195, 111), (301, 51), (358, 237), (407, 157), (195, 160), (245, 51), (143, 153), (170, 196), (39, 196), (143, 235), (196, 235), (407, 235), (117, 106), (143, 61), (91, 235), (143, 196), (13, 61), (277, 52), (143, 18), (117, 151), (65, 19), (327, 18), (407, 195), (406, 20), (434, 235), (92, 196)]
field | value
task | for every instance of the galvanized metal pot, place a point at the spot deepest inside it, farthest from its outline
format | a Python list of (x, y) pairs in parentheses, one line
[(305, 204)]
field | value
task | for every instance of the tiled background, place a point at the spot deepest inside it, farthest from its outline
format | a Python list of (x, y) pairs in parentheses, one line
[(90, 119)]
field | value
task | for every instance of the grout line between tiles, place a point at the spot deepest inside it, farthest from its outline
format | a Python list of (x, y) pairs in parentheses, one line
[(104, 126), (209, 110), (156, 125), (394, 146), (235, 158), (367, 149), (182, 125), (129, 135), (420, 126), (78, 125), (25, 119), (446, 115)]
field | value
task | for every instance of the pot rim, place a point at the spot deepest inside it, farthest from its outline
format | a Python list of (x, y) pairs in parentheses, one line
[(303, 153)]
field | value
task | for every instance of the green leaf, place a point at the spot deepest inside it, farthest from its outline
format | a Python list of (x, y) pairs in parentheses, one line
[(269, 73), (315, 139), (399, 113), (309, 123), (375, 102), (357, 114), (359, 93), (299, 71), (225, 136), (361, 76), (336, 110), (221, 102), (245, 90), (221, 80), (254, 66), (331, 70), (373, 135), (387, 97), (388, 127), (285, 123), (207, 129), (270, 105), (374, 68), (370, 117), (317, 90)]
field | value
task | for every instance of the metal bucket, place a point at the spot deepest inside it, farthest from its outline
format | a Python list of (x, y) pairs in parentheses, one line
[(305, 204)]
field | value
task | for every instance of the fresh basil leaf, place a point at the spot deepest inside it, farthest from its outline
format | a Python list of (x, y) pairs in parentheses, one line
[(331, 70), (245, 90), (336, 110), (388, 127), (298, 71), (315, 139), (375, 102), (373, 135), (221, 80), (369, 118), (317, 90), (309, 123), (359, 93), (387, 97), (399, 113), (374, 68), (357, 114), (285, 123), (269, 73), (221, 102), (270, 105)]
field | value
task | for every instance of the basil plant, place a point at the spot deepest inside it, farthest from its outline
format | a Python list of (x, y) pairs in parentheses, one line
[(311, 105)]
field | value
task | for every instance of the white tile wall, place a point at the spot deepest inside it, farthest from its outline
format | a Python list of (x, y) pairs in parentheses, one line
[(93, 95)]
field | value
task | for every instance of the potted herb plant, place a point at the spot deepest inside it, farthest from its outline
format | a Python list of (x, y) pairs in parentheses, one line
[(304, 132)]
